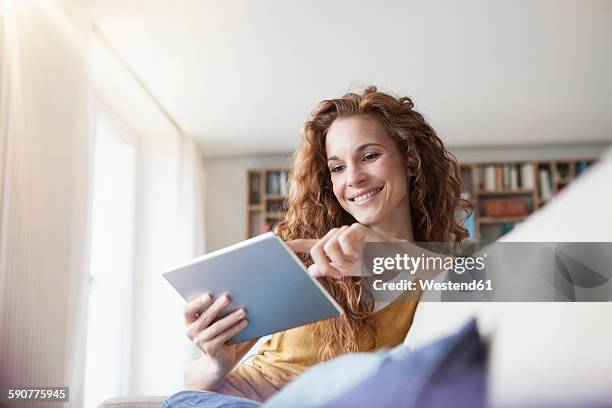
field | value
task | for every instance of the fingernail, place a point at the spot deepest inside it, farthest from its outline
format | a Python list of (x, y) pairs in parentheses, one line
[(241, 312), (206, 298), (244, 323), (226, 298)]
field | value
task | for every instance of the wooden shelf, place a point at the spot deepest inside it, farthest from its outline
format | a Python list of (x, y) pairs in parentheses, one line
[(254, 207), (505, 192), (275, 197), (275, 214), (500, 220)]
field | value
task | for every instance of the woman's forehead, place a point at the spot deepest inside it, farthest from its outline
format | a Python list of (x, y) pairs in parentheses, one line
[(348, 134)]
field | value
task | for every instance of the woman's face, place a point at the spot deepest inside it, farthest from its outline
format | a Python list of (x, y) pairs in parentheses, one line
[(368, 173)]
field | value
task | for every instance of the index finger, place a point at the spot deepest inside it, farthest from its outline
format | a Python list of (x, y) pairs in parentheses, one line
[(301, 245), (348, 240)]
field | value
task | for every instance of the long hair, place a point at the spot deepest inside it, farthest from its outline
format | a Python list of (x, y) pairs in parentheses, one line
[(312, 208)]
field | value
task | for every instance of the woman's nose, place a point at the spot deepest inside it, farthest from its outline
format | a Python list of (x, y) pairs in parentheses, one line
[(356, 176)]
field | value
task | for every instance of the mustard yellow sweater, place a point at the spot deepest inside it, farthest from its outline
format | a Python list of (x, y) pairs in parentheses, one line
[(288, 354)]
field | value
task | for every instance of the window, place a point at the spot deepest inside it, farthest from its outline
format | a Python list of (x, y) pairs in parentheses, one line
[(111, 261)]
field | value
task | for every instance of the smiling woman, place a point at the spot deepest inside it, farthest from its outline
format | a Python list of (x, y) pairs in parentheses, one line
[(355, 145), (368, 169)]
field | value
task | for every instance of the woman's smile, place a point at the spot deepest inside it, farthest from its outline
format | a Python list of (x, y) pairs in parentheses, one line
[(364, 198)]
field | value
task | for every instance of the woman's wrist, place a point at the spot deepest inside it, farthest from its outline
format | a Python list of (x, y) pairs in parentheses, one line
[(203, 375)]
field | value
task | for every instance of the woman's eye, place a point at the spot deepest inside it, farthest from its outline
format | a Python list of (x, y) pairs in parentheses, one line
[(337, 169), (371, 156)]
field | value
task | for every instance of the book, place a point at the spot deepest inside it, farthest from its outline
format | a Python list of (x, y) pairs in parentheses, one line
[(506, 174), (284, 183), (489, 177), (255, 194), (273, 185), (545, 184), (514, 184), (581, 166), (527, 176)]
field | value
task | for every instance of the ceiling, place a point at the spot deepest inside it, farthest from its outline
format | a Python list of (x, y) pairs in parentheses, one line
[(241, 76)]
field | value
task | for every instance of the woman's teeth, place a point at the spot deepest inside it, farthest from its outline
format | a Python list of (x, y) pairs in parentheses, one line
[(367, 195)]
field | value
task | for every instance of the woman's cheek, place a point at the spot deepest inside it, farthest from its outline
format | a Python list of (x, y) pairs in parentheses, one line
[(338, 194), (337, 186)]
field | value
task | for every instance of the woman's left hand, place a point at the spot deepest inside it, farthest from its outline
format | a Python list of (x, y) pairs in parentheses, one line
[(337, 254)]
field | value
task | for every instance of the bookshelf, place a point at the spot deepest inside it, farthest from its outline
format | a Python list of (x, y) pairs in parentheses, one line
[(267, 191), (503, 193)]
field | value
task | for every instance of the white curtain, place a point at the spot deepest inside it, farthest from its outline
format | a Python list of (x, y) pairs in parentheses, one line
[(45, 167), (169, 231)]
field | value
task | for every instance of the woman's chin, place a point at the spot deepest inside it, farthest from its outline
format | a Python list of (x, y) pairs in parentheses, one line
[(367, 219)]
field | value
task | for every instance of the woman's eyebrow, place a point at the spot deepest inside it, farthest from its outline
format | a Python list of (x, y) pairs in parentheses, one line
[(365, 145), (360, 148)]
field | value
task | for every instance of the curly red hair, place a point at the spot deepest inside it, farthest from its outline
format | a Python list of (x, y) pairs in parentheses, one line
[(312, 208)]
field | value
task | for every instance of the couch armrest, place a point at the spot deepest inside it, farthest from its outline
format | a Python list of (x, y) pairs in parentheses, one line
[(133, 402)]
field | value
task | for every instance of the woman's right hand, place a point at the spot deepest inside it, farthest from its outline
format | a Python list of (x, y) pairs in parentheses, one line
[(217, 359)]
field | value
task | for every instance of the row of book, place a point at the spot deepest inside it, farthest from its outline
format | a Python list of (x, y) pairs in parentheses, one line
[(545, 181), (495, 177), (565, 170), (277, 183)]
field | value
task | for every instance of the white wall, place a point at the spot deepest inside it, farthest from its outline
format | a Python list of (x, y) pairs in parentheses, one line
[(226, 182), (226, 196), (536, 152)]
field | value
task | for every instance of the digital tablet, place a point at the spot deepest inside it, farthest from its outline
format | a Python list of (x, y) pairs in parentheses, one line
[(262, 275)]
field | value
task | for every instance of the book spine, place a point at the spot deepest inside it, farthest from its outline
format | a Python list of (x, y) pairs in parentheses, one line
[(499, 178), (545, 187), (284, 187), (481, 177), (527, 179), (506, 176), (273, 183), (514, 178), (489, 177)]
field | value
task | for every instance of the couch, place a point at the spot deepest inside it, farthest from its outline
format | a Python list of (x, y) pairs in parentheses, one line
[(544, 354)]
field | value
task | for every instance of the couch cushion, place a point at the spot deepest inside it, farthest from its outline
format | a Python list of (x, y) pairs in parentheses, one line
[(133, 402), (433, 376)]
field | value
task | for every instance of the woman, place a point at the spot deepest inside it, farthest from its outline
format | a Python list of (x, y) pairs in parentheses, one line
[(368, 168)]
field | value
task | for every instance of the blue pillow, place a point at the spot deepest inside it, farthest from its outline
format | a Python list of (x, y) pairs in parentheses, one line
[(448, 372)]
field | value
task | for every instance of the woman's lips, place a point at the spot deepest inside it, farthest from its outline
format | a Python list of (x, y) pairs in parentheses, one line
[(370, 196)]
